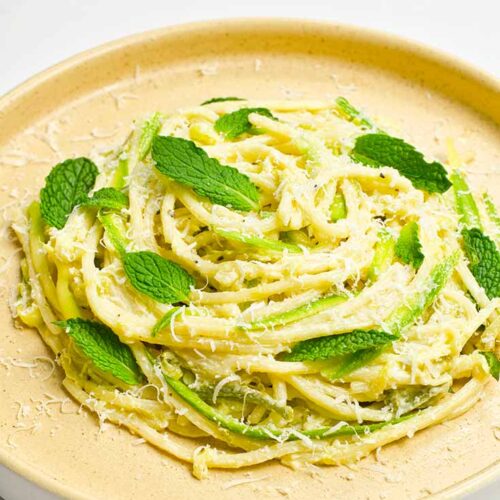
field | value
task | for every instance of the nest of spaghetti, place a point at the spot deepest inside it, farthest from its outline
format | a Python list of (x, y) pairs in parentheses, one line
[(246, 281)]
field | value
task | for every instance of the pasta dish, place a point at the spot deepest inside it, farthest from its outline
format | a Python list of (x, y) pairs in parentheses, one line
[(245, 281)]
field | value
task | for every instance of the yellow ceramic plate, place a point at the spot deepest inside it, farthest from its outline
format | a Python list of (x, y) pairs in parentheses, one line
[(90, 100)]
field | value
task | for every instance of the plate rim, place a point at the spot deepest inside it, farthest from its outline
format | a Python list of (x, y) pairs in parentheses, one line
[(426, 52)]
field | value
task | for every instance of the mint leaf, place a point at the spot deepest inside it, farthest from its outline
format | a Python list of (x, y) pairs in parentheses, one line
[(337, 345), (158, 278), (107, 198), (236, 123), (348, 112), (378, 150), (188, 164), (104, 348), (408, 247), (222, 99), (66, 186), (484, 260), (493, 364), (256, 241)]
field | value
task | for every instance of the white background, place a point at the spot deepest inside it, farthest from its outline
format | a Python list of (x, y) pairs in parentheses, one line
[(35, 34)]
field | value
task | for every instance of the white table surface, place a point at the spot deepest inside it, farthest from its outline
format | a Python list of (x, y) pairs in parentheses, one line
[(35, 34)]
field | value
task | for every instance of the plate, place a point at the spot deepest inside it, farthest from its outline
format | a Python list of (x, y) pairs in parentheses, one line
[(89, 102)]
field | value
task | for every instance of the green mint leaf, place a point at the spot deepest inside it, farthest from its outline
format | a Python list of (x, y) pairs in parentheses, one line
[(378, 150), (164, 321), (236, 123), (298, 313), (158, 278), (493, 364), (352, 362), (338, 209), (255, 241), (67, 185), (149, 131), (186, 163), (107, 198), (104, 348), (408, 247), (348, 112), (484, 260), (464, 201), (337, 345), (222, 99)]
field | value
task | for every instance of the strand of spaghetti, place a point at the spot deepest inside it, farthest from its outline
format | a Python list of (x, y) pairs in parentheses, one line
[(50, 332), (339, 407), (321, 281), (267, 364), (479, 319), (459, 299), (491, 332), (310, 262), (193, 416), (143, 188), (344, 317), (336, 454), (154, 411), (341, 452), (136, 315), (222, 217), (151, 210), (185, 254), (472, 285), (161, 440)]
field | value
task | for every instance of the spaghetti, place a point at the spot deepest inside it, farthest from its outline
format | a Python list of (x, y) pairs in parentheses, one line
[(305, 336)]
